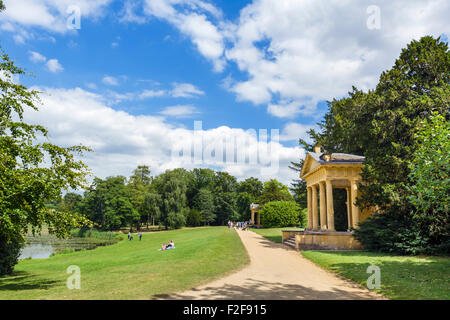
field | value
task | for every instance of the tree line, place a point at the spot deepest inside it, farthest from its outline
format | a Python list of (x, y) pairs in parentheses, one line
[(173, 199)]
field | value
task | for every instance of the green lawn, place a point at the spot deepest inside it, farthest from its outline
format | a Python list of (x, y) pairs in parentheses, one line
[(401, 277), (273, 234), (132, 269)]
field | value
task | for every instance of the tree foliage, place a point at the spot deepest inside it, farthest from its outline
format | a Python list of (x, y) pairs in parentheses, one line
[(430, 177), (274, 191), (280, 214), (381, 125), (33, 171)]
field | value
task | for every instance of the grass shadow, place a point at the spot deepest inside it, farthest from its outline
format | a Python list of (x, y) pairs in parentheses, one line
[(252, 289), (22, 280)]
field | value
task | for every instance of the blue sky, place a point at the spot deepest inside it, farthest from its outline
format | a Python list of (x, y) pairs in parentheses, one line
[(148, 68)]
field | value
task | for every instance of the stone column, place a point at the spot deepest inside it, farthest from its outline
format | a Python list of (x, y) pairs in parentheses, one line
[(330, 206), (315, 214), (309, 202), (355, 209), (323, 207), (253, 217), (259, 219), (349, 208)]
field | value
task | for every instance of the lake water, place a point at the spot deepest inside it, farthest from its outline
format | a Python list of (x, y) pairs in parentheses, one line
[(42, 247), (36, 251)]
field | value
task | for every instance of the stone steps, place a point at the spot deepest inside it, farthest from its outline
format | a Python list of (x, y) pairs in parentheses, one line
[(290, 242)]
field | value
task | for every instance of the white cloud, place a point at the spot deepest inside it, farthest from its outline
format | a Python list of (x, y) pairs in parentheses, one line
[(194, 19), (179, 111), (128, 13), (50, 15), (122, 141), (111, 81), (293, 131), (151, 93), (54, 66), (91, 85), (37, 57), (185, 90), (297, 53)]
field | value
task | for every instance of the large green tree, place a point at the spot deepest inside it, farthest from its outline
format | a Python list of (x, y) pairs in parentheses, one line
[(139, 185), (430, 177), (33, 171), (225, 190), (381, 123), (204, 203), (249, 191), (274, 191), (172, 187), (108, 203)]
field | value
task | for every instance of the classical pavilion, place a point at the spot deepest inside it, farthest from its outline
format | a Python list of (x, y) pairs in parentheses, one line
[(256, 218), (323, 173)]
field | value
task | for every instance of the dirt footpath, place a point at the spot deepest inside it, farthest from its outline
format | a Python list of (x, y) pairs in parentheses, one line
[(276, 272)]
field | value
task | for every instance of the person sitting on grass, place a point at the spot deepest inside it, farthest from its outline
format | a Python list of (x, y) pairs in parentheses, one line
[(171, 245), (163, 247)]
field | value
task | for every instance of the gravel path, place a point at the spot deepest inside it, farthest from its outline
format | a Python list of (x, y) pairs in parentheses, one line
[(276, 272)]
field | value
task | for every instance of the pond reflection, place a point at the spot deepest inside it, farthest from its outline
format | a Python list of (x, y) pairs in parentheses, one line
[(36, 251)]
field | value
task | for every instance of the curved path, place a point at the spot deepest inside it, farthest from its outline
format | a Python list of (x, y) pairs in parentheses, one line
[(276, 272)]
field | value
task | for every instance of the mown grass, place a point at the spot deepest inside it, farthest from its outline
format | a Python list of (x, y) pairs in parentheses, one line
[(131, 269), (402, 277), (273, 234)]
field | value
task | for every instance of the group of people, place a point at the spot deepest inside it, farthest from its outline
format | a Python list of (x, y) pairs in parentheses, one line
[(165, 246), (169, 245), (239, 225), (130, 236)]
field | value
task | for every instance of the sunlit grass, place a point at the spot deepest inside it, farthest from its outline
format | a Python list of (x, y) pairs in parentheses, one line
[(402, 277), (132, 269)]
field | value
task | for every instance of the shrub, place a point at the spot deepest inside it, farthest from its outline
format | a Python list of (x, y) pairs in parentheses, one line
[(396, 234), (280, 214), (9, 255)]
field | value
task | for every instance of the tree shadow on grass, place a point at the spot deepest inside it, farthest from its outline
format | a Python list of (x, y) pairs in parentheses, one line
[(252, 289), (22, 280)]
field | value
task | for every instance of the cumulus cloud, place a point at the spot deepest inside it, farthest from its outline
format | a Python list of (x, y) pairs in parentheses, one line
[(122, 141), (50, 15), (54, 66), (111, 81), (293, 131), (195, 19), (297, 53), (179, 111), (151, 93), (185, 90), (37, 57)]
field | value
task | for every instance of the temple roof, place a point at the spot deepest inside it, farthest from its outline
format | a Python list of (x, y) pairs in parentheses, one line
[(314, 160), (336, 157)]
